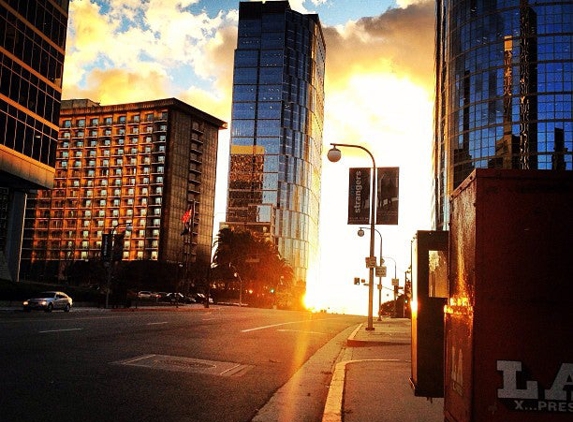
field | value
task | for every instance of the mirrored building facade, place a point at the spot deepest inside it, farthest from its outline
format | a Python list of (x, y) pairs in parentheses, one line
[(504, 90), (32, 50), (276, 129)]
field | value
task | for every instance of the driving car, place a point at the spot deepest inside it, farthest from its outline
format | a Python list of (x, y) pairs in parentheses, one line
[(49, 301)]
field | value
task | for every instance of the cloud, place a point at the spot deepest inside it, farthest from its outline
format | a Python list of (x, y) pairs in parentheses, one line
[(398, 41), (117, 86), (138, 41)]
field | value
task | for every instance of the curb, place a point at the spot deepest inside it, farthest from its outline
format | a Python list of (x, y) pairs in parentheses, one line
[(352, 341), (334, 401), (333, 405)]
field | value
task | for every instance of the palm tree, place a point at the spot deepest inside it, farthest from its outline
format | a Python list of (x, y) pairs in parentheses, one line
[(257, 260)]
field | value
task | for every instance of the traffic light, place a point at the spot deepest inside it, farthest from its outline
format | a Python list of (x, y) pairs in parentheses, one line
[(356, 281), (408, 288)]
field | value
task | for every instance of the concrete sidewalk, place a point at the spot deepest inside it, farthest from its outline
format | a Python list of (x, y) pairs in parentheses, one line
[(371, 380)]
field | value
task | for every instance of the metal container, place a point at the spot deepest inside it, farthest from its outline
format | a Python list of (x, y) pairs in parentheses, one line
[(509, 318)]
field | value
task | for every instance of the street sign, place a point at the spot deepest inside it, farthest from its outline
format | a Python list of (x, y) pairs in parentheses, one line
[(381, 271), (395, 282), (370, 261)]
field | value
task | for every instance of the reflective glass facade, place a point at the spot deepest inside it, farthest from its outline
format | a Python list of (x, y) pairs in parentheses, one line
[(32, 48), (504, 89), (276, 129)]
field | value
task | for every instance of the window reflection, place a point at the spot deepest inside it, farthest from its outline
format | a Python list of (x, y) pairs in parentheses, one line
[(505, 91)]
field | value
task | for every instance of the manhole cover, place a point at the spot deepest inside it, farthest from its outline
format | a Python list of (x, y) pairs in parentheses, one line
[(183, 364)]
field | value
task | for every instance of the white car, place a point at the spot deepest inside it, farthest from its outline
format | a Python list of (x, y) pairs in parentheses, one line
[(49, 301)]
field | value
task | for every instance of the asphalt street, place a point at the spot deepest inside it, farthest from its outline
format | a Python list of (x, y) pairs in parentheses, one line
[(216, 364)]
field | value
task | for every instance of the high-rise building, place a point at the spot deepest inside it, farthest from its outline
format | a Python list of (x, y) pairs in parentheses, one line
[(504, 90), (142, 166), (276, 129), (32, 49)]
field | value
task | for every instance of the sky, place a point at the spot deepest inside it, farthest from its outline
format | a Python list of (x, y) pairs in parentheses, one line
[(379, 90)]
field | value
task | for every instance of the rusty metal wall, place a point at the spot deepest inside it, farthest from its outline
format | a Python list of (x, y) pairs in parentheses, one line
[(509, 325)]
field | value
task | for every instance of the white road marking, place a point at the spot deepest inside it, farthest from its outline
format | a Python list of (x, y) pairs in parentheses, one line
[(279, 325), (61, 330), (300, 331)]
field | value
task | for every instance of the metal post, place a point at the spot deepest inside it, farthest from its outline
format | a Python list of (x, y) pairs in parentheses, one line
[(393, 287), (109, 267), (111, 233), (334, 155), (361, 233)]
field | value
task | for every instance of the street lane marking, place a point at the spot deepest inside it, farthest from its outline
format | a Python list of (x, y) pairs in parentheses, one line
[(157, 323), (300, 331), (60, 330), (281, 324)]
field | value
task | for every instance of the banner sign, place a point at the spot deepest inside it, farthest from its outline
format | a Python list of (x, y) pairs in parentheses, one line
[(387, 186), (359, 195)]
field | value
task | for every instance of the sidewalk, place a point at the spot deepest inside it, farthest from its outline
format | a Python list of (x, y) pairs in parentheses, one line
[(371, 380)]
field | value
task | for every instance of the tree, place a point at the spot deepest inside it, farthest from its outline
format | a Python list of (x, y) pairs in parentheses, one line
[(258, 262)]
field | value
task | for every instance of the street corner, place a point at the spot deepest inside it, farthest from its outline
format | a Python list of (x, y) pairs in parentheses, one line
[(385, 332)]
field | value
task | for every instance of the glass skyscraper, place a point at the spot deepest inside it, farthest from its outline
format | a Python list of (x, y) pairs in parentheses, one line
[(276, 129), (504, 89), (32, 50)]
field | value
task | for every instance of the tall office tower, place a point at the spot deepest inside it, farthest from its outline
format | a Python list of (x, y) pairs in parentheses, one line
[(504, 89), (32, 48), (276, 129), (143, 165)]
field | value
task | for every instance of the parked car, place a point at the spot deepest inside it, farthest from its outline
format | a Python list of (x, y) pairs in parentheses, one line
[(179, 298), (175, 297), (201, 298), (49, 301), (144, 294)]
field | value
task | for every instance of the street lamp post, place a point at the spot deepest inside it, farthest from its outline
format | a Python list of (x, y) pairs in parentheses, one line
[(361, 234), (110, 249), (334, 156), (395, 286)]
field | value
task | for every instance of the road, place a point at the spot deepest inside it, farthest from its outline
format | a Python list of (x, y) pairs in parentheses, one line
[(216, 364)]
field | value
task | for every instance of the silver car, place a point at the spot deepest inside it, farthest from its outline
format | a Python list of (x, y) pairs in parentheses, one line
[(49, 301)]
